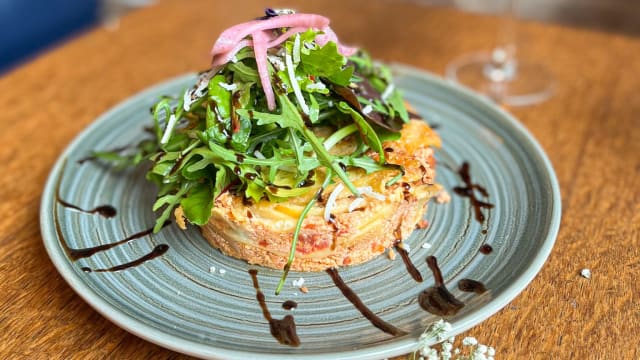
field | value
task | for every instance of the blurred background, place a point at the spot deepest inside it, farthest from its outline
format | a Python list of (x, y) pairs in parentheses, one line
[(28, 27)]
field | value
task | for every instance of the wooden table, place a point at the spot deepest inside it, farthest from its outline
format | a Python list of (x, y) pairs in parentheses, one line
[(590, 129)]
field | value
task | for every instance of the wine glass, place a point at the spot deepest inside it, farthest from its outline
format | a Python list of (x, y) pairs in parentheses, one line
[(500, 74)]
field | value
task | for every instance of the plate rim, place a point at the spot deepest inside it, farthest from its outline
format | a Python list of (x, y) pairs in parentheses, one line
[(395, 348)]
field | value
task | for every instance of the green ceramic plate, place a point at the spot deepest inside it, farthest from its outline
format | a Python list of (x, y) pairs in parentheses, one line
[(174, 300)]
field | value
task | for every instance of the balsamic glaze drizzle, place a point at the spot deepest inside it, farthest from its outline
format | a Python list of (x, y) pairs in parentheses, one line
[(76, 254), (364, 310), (157, 251), (289, 304), (283, 330), (106, 211), (437, 299), (468, 285), (411, 268), (468, 191), (486, 249)]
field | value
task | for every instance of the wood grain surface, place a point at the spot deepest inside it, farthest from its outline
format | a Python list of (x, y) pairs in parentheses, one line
[(590, 129)]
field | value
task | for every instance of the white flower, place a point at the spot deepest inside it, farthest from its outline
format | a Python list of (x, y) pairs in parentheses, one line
[(447, 346), (478, 356), (425, 349), (430, 354), (437, 330), (469, 341)]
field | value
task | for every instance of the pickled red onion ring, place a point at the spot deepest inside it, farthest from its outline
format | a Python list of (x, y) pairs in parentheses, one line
[(260, 39), (232, 35), (223, 58), (233, 40), (329, 35)]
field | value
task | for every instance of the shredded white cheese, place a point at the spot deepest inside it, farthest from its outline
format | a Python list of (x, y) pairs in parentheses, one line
[(367, 109), (194, 94), (296, 49), (167, 132), (228, 87), (356, 203), (298, 283), (331, 201), (294, 83), (202, 88), (426, 245), (259, 155), (585, 273), (187, 100), (276, 61), (316, 86), (387, 92), (368, 191)]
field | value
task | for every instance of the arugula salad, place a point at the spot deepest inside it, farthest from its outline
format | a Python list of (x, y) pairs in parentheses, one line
[(250, 125)]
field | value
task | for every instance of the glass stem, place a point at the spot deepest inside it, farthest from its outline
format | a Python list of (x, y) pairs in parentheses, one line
[(503, 64)]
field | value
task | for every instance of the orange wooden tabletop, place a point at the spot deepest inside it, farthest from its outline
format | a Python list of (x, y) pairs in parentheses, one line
[(590, 129)]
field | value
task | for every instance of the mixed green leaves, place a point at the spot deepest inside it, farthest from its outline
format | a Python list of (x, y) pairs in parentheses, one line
[(220, 137)]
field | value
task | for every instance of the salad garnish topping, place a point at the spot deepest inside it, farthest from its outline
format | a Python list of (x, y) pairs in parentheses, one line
[(265, 121)]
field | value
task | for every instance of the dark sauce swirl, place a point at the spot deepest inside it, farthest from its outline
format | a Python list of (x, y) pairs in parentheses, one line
[(157, 251), (364, 310), (468, 285), (283, 330), (105, 211), (469, 191), (411, 268), (437, 299)]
